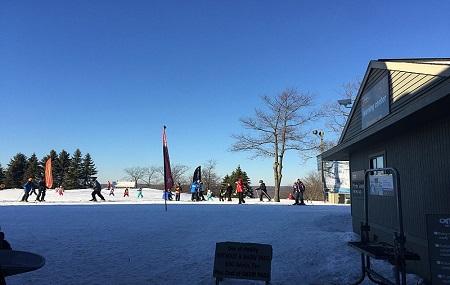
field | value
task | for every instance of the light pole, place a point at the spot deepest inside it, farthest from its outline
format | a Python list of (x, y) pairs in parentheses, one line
[(320, 134)]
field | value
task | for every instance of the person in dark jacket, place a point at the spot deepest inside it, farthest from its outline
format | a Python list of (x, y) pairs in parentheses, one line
[(42, 188), (27, 188), (299, 189), (97, 190), (201, 191), (178, 191), (262, 187), (229, 191)]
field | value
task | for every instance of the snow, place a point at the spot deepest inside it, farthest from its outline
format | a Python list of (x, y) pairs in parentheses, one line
[(131, 241)]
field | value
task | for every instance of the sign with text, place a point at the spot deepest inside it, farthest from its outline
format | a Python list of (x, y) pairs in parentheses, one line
[(237, 260), (357, 183), (438, 233), (381, 184), (375, 103)]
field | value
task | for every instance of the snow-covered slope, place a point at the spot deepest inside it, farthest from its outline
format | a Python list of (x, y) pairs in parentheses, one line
[(100, 243)]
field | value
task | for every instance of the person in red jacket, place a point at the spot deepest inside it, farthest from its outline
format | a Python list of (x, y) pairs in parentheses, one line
[(240, 190)]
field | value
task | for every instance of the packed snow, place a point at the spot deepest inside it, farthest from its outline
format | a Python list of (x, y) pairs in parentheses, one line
[(127, 240)]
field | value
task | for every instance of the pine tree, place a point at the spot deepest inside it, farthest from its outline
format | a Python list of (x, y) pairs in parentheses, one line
[(14, 177), (2, 177), (235, 175), (73, 176), (61, 167), (32, 170), (54, 157), (88, 168)]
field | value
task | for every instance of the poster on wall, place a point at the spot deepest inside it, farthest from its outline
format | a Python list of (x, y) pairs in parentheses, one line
[(337, 176), (375, 103), (381, 185)]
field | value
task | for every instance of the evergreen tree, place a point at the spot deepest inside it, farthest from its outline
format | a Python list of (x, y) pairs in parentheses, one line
[(14, 177), (73, 176), (235, 175), (32, 170), (61, 167), (88, 169), (54, 157), (2, 177)]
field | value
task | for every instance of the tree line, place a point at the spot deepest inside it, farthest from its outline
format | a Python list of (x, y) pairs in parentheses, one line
[(71, 172)]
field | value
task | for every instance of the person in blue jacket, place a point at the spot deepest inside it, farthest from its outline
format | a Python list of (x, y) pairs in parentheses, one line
[(27, 189), (194, 191)]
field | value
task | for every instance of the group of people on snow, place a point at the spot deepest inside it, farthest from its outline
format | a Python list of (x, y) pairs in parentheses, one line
[(30, 188), (196, 189)]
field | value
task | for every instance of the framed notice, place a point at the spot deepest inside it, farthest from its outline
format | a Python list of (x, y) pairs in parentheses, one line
[(381, 185)]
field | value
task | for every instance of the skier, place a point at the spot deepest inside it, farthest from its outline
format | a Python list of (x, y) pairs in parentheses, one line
[(139, 195), (111, 192), (240, 190), (194, 189), (125, 193), (97, 190), (42, 189), (262, 187), (201, 197), (178, 190), (222, 194), (61, 190), (229, 191), (209, 195), (27, 188), (299, 189), (109, 186)]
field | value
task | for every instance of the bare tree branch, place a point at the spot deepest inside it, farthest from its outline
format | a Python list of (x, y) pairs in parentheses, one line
[(278, 128)]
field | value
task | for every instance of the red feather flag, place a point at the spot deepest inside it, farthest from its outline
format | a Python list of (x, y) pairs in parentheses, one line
[(48, 173)]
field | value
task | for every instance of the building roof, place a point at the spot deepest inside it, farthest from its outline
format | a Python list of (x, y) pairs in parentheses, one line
[(412, 84)]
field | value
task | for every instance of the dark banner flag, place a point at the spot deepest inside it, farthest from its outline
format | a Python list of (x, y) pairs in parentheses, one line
[(168, 180), (197, 174)]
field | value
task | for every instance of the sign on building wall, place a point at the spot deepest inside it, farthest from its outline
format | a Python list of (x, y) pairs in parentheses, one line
[(381, 184), (358, 183), (337, 176), (438, 233), (375, 103)]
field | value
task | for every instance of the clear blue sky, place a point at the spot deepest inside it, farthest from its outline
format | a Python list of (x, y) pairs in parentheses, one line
[(105, 76)]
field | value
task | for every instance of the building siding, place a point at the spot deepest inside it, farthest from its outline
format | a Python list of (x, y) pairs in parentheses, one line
[(421, 154)]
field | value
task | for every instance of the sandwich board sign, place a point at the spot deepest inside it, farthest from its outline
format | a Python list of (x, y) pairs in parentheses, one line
[(251, 261)]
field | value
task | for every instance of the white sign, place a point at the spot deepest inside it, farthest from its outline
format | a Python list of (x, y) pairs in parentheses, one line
[(337, 176), (381, 184)]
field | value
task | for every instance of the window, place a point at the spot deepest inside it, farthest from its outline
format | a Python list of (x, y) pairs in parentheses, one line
[(377, 162)]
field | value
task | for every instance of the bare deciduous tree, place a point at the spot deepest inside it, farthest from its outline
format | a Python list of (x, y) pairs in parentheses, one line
[(136, 173), (278, 129), (313, 186), (209, 175), (178, 172), (335, 114), (150, 174)]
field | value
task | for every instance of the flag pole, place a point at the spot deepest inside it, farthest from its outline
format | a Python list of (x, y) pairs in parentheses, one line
[(165, 179)]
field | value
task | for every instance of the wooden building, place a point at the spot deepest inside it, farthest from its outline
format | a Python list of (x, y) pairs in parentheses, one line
[(401, 119)]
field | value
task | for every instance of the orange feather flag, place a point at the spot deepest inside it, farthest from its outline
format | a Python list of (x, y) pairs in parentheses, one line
[(48, 173)]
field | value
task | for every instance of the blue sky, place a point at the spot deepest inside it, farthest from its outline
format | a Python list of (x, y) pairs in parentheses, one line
[(105, 76)]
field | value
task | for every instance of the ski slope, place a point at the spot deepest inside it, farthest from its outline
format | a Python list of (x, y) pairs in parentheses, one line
[(136, 242)]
